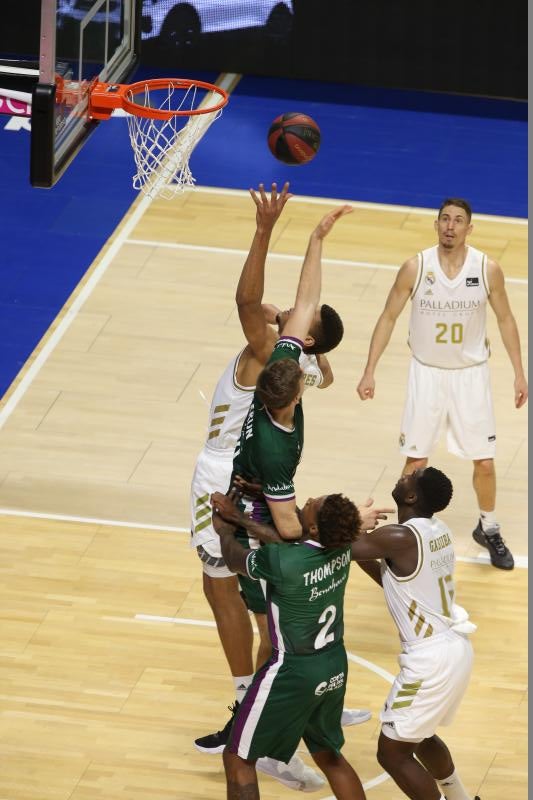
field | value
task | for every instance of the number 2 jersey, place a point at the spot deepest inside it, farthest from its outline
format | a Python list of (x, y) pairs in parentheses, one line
[(447, 327), (423, 604), (305, 593)]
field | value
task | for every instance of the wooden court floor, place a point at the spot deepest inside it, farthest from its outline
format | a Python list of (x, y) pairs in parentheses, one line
[(110, 665)]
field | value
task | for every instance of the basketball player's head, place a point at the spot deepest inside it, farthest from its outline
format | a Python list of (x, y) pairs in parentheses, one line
[(453, 223), (425, 490), (280, 384), (333, 520), (325, 333)]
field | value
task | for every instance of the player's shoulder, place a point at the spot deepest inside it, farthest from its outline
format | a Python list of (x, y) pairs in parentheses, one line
[(408, 271)]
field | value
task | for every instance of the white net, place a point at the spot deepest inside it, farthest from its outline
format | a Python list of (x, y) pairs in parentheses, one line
[(162, 147)]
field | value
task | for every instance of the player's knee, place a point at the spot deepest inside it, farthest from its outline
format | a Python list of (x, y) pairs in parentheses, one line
[(327, 759), (388, 754), (484, 467), (220, 591)]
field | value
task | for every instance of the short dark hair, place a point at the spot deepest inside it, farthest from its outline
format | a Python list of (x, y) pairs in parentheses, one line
[(328, 333), (338, 521), (435, 490), (279, 383), (459, 202)]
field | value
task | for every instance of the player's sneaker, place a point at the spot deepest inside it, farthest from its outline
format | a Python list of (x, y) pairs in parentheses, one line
[(296, 775), (216, 742), (500, 555), (354, 716)]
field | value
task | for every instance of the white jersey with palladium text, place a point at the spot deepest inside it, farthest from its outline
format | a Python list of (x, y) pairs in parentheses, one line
[(231, 402), (447, 328), (422, 604)]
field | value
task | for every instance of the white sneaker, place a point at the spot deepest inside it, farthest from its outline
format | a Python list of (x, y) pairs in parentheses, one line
[(296, 775), (354, 716)]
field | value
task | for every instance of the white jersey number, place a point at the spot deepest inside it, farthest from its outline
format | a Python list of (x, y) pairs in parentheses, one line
[(328, 617)]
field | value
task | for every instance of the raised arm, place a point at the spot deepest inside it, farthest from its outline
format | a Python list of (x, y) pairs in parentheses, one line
[(398, 296), (508, 329), (309, 286), (249, 294), (325, 369)]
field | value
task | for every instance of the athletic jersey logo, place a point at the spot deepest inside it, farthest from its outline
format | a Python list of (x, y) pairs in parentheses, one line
[(430, 278), (472, 281), (335, 682), (286, 344)]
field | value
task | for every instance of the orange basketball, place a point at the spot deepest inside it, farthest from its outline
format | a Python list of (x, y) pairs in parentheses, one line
[(294, 138)]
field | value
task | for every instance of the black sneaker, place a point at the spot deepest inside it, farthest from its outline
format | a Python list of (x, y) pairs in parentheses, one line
[(216, 742), (500, 555)]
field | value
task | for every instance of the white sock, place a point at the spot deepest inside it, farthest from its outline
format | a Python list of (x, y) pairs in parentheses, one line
[(488, 519), (453, 788), (241, 684)]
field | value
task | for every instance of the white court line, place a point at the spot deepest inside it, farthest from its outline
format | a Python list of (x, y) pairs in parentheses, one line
[(15, 512), (351, 657), (289, 257), (430, 212), (520, 561)]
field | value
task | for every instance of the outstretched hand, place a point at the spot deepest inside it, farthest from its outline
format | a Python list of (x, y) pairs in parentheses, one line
[(370, 516), (269, 208), (327, 222)]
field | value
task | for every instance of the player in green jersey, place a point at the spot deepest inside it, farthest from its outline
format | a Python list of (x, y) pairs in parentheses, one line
[(304, 682), (271, 440)]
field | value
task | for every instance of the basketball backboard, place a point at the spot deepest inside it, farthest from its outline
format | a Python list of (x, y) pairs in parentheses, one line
[(81, 41)]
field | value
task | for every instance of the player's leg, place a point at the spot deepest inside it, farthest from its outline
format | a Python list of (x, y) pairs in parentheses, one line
[(422, 415), (471, 435), (233, 624), (234, 627), (342, 777), (397, 758), (264, 651), (278, 692), (220, 585), (437, 759), (241, 777)]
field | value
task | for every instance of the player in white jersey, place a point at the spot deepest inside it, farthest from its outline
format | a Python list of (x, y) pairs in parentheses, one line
[(230, 404), (449, 286), (417, 575)]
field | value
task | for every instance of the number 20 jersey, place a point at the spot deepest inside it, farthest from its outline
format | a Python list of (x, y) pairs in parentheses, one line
[(448, 322)]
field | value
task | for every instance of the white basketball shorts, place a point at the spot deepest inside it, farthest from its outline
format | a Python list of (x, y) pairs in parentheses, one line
[(434, 674), (212, 473), (460, 400)]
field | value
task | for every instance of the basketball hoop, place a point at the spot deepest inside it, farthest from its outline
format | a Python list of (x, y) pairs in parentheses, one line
[(167, 117)]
